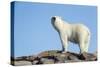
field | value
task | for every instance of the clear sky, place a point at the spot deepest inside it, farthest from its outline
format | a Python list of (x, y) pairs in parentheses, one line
[(34, 33)]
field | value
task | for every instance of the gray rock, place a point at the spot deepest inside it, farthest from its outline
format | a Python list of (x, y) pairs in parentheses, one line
[(71, 61), (20, 63), (72, 57), (35, 62), (47, 61), (88, 57)]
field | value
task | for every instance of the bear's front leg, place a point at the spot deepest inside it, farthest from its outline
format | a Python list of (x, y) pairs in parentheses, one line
[(64, 42)]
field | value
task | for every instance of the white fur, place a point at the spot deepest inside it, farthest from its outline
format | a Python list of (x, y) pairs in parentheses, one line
[(76, 33)]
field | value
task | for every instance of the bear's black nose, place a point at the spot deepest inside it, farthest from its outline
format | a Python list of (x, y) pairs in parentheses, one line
[(53, 18)]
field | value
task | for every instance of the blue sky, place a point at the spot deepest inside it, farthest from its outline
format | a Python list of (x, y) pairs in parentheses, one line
[(34, 33)]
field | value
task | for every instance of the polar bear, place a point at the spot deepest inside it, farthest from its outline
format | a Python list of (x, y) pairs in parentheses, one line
[(76, 33)]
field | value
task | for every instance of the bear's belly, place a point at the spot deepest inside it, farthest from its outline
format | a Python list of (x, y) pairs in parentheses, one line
[(74, 38)]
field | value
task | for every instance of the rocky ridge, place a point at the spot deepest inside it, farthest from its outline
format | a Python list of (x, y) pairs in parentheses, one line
[(52, 57)]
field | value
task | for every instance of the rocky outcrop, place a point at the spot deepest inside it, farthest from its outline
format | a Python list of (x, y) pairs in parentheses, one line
[(52, 57)]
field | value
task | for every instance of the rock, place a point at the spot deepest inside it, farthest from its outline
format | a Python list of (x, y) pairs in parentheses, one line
[(47, 61), (20, 63), (62, 58), (89, 57), (72, 57), (35, 62), (72, 61), (52, 57), (31, 58)]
